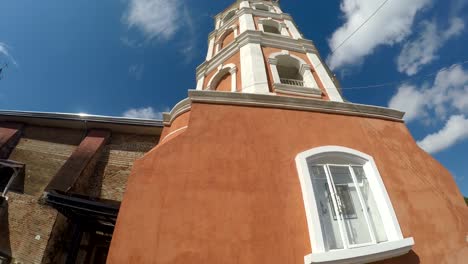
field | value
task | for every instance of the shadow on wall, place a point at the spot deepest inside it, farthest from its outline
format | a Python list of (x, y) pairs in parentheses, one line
[(5, 247), (410, 258)]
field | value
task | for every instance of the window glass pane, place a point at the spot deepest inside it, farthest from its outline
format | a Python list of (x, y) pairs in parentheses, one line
[(372, 210), (328, 222), (354, 221)]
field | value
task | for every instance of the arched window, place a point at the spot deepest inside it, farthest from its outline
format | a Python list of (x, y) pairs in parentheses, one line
[(269, 25), (262, 7), (288, 70), (227, 37), (292, 75), (348, 210), (225, 79), (229, 16)]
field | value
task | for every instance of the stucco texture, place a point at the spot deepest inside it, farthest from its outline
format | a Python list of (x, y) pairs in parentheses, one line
[(227, 190)]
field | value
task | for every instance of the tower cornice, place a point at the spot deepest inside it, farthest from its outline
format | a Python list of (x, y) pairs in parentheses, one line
[(247, 10), (252, 36), (281, 102)]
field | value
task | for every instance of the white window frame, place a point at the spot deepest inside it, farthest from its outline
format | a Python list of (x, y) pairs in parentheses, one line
[(396, 244), (223, 70), (282, 28)]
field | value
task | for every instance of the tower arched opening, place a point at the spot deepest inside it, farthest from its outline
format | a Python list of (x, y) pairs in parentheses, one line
[(229, 16), (289, 70), (271, 26)]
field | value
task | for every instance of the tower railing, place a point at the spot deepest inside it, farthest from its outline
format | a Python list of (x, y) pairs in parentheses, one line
[(292, 82)]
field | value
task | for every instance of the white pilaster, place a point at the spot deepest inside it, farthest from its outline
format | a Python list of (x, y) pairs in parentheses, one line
[(309, 80), (209, 55), (233, 72), (325, 78), (284, 30), (246, 22), (244, 4), (200, 82), (253, 71), (293, 29)]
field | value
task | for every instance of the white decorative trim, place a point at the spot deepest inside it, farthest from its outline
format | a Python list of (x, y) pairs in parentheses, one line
[(389, 219), (244, 4), (222, 70), (363, 255), (281, 102), (200, 82), (210, 52), (304, 69), (325, 77), (253, 71), (227, 13), (173, 132), (297, 90), (252, 36), (293, 29), (274, 23)]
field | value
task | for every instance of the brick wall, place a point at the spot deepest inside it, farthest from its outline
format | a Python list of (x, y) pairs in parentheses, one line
[(44, 151)]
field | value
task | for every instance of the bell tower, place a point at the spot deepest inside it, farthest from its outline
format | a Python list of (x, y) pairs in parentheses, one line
[(256, 48)]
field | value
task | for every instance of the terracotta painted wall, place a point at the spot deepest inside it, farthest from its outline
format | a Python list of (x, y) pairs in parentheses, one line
[(227, 190)]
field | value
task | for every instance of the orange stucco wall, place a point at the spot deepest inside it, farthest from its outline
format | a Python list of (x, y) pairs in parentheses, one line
[(235, 59), (175, 127), (227, 190), (267, 51)]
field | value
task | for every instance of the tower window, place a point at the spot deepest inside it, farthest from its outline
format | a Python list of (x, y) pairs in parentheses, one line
[(288, 70), (270, 26), (229, 16), (271, 29), (348, 210), (262, 7)]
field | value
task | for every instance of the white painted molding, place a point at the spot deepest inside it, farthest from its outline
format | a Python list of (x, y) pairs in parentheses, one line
[(253, 70), (304, 68), (200, 82), (223, 70), (297, 90), (292, 27), (281, 102), (275, 23), (173, 132), (210, 52), (324, 77), (253, 36), (363, 255)]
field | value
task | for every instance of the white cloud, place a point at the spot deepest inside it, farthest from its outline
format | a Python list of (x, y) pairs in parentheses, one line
[(4, 50), (144, 113), (455, 130), (390, 25), (448, 94), (155, 18), (423, 49), (409, 100), (446, 99)]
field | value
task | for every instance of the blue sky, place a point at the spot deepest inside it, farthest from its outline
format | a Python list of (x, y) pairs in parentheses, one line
[(138, 58)]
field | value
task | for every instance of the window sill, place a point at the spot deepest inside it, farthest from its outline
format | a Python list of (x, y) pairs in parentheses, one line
[(366, 254), (297, 90)]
